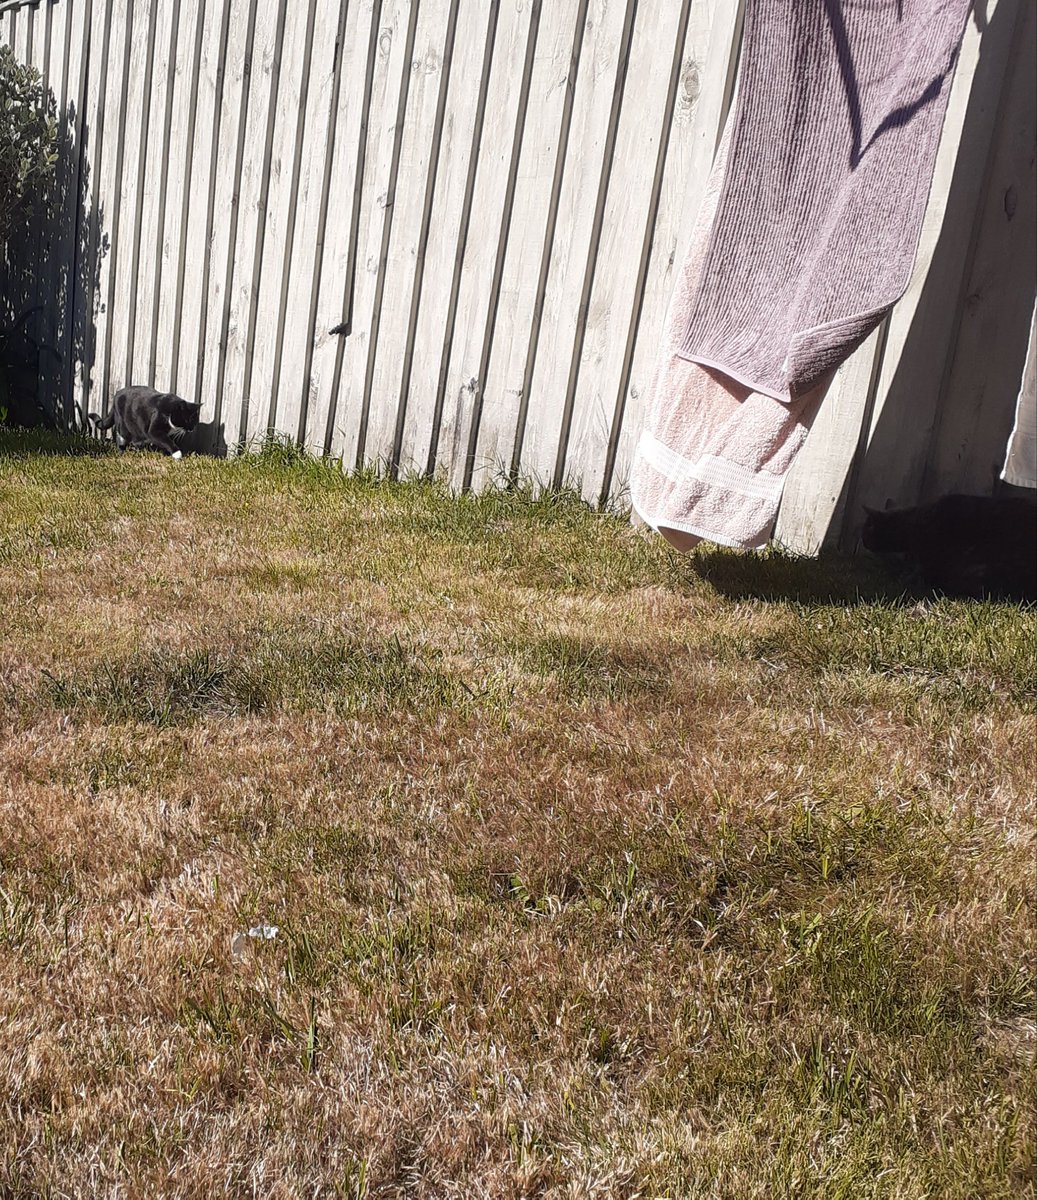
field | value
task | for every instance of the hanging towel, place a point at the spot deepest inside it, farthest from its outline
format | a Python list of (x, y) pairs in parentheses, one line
[(1021, 461), (713, 455), (833, 147)]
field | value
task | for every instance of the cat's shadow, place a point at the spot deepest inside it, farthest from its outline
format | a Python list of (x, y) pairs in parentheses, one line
[(207, 438)]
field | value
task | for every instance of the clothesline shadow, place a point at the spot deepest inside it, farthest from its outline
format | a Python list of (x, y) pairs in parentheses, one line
[(774, 575)]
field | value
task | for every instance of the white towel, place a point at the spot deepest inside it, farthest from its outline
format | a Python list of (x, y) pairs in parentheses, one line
[(1021, 460)]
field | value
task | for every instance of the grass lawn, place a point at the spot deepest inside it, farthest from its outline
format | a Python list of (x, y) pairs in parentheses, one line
[(595, 871)]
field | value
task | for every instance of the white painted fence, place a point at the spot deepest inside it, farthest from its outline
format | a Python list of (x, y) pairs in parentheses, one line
[(488, 200)]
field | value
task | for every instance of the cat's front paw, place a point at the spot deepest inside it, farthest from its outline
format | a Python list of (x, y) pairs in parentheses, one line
[(177, 454)]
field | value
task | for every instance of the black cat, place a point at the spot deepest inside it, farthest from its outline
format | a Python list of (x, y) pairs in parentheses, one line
[(969, 546), (147, 419)]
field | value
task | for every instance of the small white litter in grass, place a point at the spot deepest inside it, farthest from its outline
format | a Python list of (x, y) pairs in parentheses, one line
[(262, 933)]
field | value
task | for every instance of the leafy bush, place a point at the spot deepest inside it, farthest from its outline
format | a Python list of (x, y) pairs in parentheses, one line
[(28, 136)]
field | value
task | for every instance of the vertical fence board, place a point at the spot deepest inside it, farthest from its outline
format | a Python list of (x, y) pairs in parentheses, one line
[(56, 380), (109, 204), (544, 151), (313, 154), (455, 180), (203, 253), (386, 77), (705, 66), (8, 33), (575, 237), (813, 502), (232, 93), (279, 214), (57, 75), (155, 153), (627, 208), (87, 273), (170, 233), (246, 256), (126, 240), (16, 266), (418, 148), (336, 233), (489, 204)]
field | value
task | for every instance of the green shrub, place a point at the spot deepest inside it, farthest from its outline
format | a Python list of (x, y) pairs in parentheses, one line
[(28, 136)]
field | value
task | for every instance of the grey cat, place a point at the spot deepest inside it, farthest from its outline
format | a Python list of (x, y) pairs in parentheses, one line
[(148, 419)]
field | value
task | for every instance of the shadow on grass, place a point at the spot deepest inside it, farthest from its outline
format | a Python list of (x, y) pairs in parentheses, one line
[(299, 668), (19, 443), (830, 579), (33, 443)]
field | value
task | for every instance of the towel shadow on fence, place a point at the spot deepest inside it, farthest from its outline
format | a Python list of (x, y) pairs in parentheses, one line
[(898, 116), (894, 466)]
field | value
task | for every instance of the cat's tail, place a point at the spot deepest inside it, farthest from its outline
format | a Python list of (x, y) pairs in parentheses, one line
[(102, 423)]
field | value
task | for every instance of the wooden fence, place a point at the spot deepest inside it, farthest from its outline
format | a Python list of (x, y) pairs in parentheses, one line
[(440, 235)]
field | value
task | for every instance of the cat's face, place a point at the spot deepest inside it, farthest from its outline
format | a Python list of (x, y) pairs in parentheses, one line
[(185, 414), (883, 532)]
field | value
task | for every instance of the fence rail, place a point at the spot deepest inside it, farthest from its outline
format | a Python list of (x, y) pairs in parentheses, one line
[(440, 235)]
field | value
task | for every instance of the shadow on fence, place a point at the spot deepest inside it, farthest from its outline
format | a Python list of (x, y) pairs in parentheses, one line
[(52, 268), (891, 469), (51, 295)]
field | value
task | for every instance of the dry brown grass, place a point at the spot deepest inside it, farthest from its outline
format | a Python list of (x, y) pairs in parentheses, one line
[(596, 872)]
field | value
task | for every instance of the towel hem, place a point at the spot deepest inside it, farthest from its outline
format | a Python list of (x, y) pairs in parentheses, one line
[(660, 523), (753, 385)]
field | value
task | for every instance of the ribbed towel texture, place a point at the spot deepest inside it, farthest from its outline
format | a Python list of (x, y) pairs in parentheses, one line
[(833, 145), (1021, 461)]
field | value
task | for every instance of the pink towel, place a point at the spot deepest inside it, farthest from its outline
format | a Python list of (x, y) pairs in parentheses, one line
[(713, 455)]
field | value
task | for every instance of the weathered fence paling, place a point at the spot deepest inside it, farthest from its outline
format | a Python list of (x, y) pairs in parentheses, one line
[(441, 235)]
